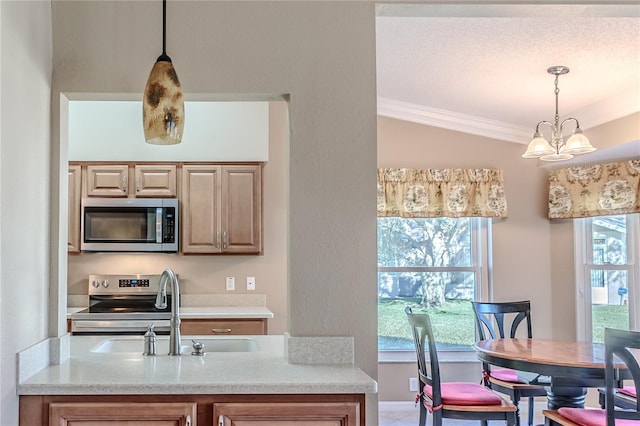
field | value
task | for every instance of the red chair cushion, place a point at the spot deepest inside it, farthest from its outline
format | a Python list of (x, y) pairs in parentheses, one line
[(506, 375), (462, 393), (592, 417), (628, 390)]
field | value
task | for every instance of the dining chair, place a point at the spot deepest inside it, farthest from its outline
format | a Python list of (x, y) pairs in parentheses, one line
[(617, 343), (455, 400), (624, 397), (491, 319)]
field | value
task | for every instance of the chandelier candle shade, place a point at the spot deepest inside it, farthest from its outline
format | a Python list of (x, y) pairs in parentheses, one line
[(557, 149), (162, 104)]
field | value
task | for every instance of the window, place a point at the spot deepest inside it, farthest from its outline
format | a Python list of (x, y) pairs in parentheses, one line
[(607, 275), (435, 265)]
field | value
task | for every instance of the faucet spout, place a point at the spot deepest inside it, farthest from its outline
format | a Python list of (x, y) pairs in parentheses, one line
[(161, 303)]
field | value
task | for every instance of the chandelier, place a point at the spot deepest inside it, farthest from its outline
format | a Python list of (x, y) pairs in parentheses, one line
[(557, 149), (162, 103)]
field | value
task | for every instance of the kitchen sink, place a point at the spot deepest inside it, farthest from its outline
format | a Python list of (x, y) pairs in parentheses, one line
[(211, 344)]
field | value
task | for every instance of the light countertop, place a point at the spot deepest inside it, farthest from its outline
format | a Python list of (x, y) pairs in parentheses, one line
[(266, 371)]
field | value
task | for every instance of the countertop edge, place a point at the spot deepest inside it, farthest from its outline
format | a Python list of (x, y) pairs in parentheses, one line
[(269, 371)]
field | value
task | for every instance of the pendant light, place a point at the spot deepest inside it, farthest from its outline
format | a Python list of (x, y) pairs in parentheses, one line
[(558, 149), (162, 103)]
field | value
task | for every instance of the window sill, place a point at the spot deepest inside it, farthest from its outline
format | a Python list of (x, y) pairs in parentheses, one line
[(409, 357)]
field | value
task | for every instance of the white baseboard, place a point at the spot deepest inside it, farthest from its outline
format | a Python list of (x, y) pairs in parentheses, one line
[(395, 405)]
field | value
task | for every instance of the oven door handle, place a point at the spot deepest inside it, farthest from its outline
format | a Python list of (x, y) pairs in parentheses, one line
[(104, 326)]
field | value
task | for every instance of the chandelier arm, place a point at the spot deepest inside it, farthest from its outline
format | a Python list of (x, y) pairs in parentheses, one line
[(568, 119), (548, 123)]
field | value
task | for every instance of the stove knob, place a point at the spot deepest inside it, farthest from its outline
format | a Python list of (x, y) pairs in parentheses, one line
[(105, 283), (96, 283)]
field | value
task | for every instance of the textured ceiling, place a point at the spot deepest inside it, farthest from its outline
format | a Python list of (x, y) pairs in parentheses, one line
[(482, 70)]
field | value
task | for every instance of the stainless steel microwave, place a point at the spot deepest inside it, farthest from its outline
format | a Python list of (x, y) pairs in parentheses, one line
[(129, 224)]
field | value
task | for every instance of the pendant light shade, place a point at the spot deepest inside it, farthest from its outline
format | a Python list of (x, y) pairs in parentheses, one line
[(162, 103)]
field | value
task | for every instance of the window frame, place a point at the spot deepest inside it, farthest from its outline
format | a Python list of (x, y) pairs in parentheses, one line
[(583, 251), (482, 267)]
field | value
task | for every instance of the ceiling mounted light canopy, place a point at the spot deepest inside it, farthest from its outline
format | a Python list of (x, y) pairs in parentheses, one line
[(557, 149), (162, 104)]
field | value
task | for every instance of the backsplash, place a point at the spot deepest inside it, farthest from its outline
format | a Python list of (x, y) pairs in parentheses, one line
[(202, 278)]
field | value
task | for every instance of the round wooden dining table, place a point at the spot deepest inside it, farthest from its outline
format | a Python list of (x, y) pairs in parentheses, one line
[(571, 367)]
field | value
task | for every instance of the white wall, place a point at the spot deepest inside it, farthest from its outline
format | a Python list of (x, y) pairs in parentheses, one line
[(101, 130), (25, 83)]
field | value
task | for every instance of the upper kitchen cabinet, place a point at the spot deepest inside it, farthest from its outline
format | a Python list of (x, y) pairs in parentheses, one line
[(138, 180), (221, 208), (74, 195), (155, 180), (107, 180)]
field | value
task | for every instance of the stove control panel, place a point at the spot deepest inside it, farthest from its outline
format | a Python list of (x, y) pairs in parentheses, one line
[(133, 282), (124, 284)]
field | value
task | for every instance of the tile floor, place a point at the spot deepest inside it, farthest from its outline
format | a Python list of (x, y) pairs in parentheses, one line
[(405, 414)]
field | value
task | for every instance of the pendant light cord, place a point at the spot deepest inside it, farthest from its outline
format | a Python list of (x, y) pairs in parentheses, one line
[(164, 57), (164, 27)]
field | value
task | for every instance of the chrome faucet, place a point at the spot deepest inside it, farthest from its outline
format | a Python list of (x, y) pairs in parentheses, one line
[(161, 303)]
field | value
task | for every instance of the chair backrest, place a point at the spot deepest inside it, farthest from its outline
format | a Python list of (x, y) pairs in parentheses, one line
[(619, 343), (428, 370), (491, 314)]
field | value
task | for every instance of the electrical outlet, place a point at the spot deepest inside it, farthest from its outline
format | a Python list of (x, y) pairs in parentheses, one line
[(251, 283), (413, 384), (231, 283)]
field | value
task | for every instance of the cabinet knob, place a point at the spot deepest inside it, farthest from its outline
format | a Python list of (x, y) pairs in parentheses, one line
[(221, 330)]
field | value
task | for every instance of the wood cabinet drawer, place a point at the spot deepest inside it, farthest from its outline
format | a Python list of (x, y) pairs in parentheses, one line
[(223, 327)]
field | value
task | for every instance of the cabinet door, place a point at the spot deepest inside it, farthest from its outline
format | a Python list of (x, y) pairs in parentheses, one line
[(203, 327), (112, 414), (288, 414), (155, 180), (242, 209), (73, 208), (200, 213), (107, 180)]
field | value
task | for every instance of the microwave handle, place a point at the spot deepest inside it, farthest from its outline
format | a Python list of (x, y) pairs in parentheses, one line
[(159, 212)]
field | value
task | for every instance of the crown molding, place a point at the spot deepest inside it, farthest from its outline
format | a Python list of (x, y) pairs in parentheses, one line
[(454, 121), (619, 105)]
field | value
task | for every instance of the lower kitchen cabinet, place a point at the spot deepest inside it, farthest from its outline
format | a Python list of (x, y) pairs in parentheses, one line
[(192, 410), (207, 327), (287, 414), (120, 413)]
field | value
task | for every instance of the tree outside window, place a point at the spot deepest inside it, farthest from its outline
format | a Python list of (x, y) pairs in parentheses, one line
[(431, 264)]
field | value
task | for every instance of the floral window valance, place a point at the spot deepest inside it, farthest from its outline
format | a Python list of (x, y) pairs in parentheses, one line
[(595, 190), (441, 193)]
